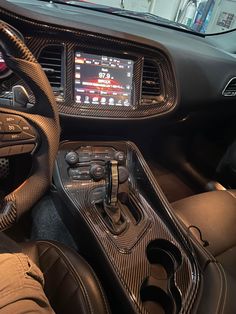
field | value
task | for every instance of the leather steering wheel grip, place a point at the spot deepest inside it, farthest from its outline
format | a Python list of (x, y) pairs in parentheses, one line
[(43, 116)]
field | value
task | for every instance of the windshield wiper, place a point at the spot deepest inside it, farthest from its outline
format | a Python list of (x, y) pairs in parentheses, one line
[(143, 16)]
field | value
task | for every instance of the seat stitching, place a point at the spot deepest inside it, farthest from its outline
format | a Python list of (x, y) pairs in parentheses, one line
[(91, 269), (75, 273), (53, 264), (44, 252)]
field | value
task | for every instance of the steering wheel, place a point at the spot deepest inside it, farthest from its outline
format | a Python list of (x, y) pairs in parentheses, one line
[(35, 130)]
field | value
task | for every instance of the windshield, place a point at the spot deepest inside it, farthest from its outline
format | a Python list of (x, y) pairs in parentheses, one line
[(202, 16)]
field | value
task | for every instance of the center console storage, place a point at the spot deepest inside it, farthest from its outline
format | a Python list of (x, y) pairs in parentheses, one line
[(109, 191)]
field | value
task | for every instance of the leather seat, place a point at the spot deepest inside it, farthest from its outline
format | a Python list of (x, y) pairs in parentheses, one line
[(214, 213), (70, 283)]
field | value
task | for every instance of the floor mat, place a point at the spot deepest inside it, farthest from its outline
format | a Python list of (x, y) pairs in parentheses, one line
[(48, 225)]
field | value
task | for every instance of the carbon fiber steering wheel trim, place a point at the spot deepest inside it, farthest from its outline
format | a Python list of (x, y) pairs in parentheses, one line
[(43, 116)]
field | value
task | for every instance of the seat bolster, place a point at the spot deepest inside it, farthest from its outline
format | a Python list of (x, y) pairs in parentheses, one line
[(70, 283), (214, 213)]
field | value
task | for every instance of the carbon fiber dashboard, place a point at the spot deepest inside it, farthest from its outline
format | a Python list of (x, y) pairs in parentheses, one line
[(128, 252), (39, 36)]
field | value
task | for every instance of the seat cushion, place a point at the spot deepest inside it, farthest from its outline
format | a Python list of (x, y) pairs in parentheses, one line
[(215, 214), (70, 283)]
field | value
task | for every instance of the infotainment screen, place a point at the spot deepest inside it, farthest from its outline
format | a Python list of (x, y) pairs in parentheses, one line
[(103, 81)]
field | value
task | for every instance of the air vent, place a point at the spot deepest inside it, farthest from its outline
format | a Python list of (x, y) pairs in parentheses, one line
[(151, 85), (230, 88), (50, 59)]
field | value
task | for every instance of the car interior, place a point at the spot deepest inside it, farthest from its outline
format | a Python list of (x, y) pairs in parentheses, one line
[(118, 158)]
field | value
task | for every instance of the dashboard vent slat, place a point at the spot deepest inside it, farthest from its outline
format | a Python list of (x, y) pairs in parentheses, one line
[(51, 60), (230, 88), (151, 84)]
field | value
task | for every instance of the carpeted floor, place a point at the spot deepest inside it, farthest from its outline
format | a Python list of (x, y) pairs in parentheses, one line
[(47, 224)]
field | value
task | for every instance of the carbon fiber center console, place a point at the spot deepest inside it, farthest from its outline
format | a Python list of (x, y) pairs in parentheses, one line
[(112, 196)]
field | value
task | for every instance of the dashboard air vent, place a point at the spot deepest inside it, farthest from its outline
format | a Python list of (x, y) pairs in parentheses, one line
[(151, 85), (50, 59), (230, 88)]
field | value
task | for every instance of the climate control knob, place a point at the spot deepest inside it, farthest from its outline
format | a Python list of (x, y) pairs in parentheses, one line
[(120, 156), (72, 158), (97, 172)]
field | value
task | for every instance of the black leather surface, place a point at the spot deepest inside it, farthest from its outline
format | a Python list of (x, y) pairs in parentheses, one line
[(214, 213), (70, 283)]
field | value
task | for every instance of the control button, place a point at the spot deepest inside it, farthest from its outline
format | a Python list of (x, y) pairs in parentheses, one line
[(26, 127), (16, 137), (11, 128), (79, 174), (11, 137), (5, 118), (72, 158), (16, 150), (123, 174), (97, 172), (119, 156), (76, 174), (85, 154)]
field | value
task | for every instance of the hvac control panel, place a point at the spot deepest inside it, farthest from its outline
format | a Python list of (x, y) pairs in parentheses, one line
[(91, 162)]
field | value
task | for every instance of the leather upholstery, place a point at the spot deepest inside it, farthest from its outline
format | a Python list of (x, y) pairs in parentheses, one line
[(70, 283), (214, 213)]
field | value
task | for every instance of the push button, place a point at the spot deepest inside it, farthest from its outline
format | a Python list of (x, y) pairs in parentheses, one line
[(16, 137), (25, 127), (11, 137), (9, 119), (16, 150), (11, 128)]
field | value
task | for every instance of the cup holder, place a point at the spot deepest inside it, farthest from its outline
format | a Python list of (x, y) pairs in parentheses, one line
[(164, 257), (156, 300), (158, 292)]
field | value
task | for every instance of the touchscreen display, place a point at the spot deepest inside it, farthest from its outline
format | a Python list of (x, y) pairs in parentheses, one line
[(102, 80)]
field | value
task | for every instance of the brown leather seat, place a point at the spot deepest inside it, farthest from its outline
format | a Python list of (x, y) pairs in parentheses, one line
[(70, 283), (214, 213)]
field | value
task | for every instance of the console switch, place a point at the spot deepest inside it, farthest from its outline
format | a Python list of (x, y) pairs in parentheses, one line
[(72, 158), (97, 172)]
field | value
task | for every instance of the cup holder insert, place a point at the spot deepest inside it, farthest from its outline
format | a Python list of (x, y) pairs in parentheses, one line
[(156, 300), (163, 254), (158, 292)]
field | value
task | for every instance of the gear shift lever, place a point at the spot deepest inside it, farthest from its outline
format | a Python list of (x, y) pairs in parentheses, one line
[(113, 183), (110, 203)]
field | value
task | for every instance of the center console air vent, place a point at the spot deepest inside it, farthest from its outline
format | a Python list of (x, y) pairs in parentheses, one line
[(51, 58), (151, 84), (230, 88)]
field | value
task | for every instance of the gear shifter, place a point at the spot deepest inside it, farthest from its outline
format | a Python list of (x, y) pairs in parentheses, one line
[(110, 204), (113, 183)]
